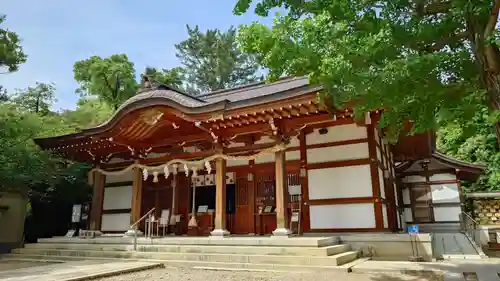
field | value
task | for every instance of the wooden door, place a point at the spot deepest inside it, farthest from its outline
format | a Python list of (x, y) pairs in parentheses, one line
[(265, 181), (243, 216), (421, 198)]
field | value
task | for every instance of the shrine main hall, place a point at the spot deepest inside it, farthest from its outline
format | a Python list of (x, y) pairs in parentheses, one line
[(264, 158)]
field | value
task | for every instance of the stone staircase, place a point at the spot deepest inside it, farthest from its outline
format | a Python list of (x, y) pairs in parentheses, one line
[(247, 253)]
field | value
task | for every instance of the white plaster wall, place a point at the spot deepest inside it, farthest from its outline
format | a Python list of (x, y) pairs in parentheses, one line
[(379, 155), (384, 214), (406, 196), (445, 193), (447, 213), (264, 139), (381, 182), (292, 155), (232, 163), (341, 182), (443, 177), (266, 158), (396, 197), (337, 133), (334, 216), (376, 134), (414, 179), (338, 153), (408, 215), (117, 198), (115, 222), (127, 176)]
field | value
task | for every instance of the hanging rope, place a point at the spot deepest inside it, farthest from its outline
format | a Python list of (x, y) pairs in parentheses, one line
[(189, 163)]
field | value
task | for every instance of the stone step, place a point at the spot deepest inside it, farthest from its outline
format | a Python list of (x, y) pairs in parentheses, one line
[(194, 263), (334, 260), (246, 250), (203, 241)]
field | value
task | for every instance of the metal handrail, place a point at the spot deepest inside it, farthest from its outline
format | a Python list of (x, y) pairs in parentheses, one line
[(468, 226), (142, 218), (135, 224)]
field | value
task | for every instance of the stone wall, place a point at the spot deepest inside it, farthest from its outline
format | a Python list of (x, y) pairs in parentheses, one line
[(487, 211)]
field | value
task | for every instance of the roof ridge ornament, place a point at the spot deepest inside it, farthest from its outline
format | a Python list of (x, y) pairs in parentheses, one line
[(146, 82)]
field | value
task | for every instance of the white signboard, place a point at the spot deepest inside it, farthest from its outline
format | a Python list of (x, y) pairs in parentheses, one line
[(77, 212), (294, 190)]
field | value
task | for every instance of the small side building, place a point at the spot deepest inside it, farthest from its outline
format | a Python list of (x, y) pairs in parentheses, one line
[(13, 205)]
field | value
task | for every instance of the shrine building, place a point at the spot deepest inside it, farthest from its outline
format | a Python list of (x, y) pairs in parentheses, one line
[(258, 159)]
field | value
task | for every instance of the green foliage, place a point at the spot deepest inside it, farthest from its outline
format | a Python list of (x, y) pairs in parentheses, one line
[(3, 94), (111, 79), (212, 60), (416, 61), (36, 99), (11, 52), (172, 77), (473, 141)]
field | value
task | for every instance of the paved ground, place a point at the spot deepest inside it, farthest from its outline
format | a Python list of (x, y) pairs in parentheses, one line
[(367, 271), (182, 274), (10, 265), (70, 271)]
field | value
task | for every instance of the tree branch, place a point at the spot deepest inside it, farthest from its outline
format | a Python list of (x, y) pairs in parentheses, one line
[(431, 9), (490, 50)]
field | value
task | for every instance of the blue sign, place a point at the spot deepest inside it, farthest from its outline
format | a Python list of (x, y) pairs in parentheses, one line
[(413, 229)]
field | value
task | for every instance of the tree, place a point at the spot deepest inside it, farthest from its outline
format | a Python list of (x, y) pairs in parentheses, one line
[(172, 77), (36, 99), (212, 60), (473, 141), (110, 79), (11, 52), (417, 60), (3, 94)]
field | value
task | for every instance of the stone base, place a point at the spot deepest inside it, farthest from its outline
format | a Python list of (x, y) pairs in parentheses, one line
[(133, 232), (282, 232), (219, 233)]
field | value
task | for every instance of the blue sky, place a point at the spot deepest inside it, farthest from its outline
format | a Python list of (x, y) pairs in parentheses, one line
[(57, 33)]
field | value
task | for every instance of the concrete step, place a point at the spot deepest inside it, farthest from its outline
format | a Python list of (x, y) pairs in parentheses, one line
[(334, 260), (196, 263), (203, 241), (242, 250)]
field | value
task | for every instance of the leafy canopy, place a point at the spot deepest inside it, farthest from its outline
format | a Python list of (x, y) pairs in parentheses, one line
[(36, 99), (11, 52), (113, 79), (418, 60), (211, 60)]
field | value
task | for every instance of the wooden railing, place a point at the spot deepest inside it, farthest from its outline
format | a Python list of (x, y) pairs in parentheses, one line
[(135, 225)]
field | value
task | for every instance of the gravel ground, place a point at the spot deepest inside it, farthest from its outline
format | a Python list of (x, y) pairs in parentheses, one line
[(183, 274)]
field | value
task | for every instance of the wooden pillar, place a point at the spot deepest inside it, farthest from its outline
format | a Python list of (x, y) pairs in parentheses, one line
[(136, 195), (173, 211), (97, 200), (374, 166), (281, 196), (306, 221), (220, 198)]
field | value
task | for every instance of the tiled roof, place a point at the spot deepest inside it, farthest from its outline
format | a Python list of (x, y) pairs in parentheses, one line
[(255, 90)]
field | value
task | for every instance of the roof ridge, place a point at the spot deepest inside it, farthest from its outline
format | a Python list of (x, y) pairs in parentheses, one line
[(251, 85)]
